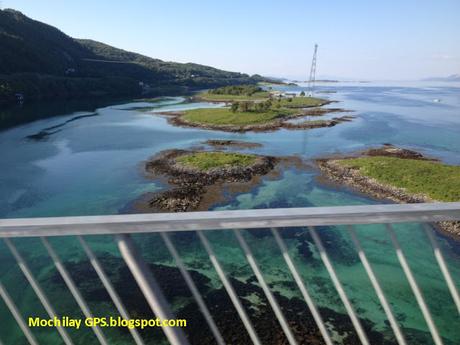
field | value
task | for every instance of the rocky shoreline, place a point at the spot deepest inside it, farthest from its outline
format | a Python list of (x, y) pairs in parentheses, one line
[(177, 119), (190, 185), (223, 144), (348, 176)]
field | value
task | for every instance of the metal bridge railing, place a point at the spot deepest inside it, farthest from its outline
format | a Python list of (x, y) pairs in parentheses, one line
[(121, 226)]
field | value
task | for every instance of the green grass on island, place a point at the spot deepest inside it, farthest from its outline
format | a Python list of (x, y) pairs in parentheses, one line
[(251, 105), (235, 93), (208, 160), (228, 98), (301, 102), (436, 180), (255, 93), (224, 116)]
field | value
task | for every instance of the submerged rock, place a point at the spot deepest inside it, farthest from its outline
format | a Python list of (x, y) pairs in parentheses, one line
[(219, 304), (388, 150)]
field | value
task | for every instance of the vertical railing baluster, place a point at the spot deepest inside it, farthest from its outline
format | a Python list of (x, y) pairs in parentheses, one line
[(17, 315), (338, 286), (414, 286), (191, 285), (376, 285), (150, 288), (73, 289), (230, 290), (271, 299), (443, 266), (37, 288), (109, 287), (303, 289)]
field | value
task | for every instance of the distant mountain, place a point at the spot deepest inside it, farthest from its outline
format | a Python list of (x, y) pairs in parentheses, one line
[(39, 62), (452, 77)]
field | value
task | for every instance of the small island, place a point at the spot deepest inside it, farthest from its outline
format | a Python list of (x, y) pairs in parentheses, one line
[(400, 175), (192, 174), (250, 108)]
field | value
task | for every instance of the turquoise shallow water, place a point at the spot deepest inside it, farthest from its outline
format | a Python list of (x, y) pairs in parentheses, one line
[(90, 162)]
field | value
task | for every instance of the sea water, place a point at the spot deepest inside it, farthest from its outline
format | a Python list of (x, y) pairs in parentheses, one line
[(89, 160)]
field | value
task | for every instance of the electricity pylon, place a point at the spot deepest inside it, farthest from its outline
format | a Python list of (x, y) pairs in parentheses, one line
[(311, 80), (311, 86)]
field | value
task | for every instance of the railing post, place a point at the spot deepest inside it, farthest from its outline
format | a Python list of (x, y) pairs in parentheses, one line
[(73, 289), (443, 266), (109, 287), (230, 290), (303, 289), (414, 286), (338, 286), (376, 285), (149, 288), (191, 285), (17, 315), (263, 284), (37, 289)]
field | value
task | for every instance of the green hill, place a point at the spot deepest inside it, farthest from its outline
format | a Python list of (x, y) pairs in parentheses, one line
[(41, 62)]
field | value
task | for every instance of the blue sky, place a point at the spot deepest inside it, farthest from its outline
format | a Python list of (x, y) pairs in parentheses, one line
[(391, 39)]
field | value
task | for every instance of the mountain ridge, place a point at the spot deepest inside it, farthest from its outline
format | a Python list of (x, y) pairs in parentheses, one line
[(38, 61)]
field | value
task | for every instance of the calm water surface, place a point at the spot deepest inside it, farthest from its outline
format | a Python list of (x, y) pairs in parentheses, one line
[(90, 162)]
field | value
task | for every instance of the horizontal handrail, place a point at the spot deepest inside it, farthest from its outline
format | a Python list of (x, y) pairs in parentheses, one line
[(236, 219), (122, 225)]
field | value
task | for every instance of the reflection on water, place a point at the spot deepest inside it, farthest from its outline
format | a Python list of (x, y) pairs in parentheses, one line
[(46, 132), (91, 163), (24, 113)]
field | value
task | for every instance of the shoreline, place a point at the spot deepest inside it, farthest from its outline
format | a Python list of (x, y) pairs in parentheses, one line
[(347, 176), (176, 119), (191, 189), (229, 143)]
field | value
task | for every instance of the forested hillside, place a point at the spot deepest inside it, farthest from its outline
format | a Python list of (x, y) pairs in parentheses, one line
[(40, 62)]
